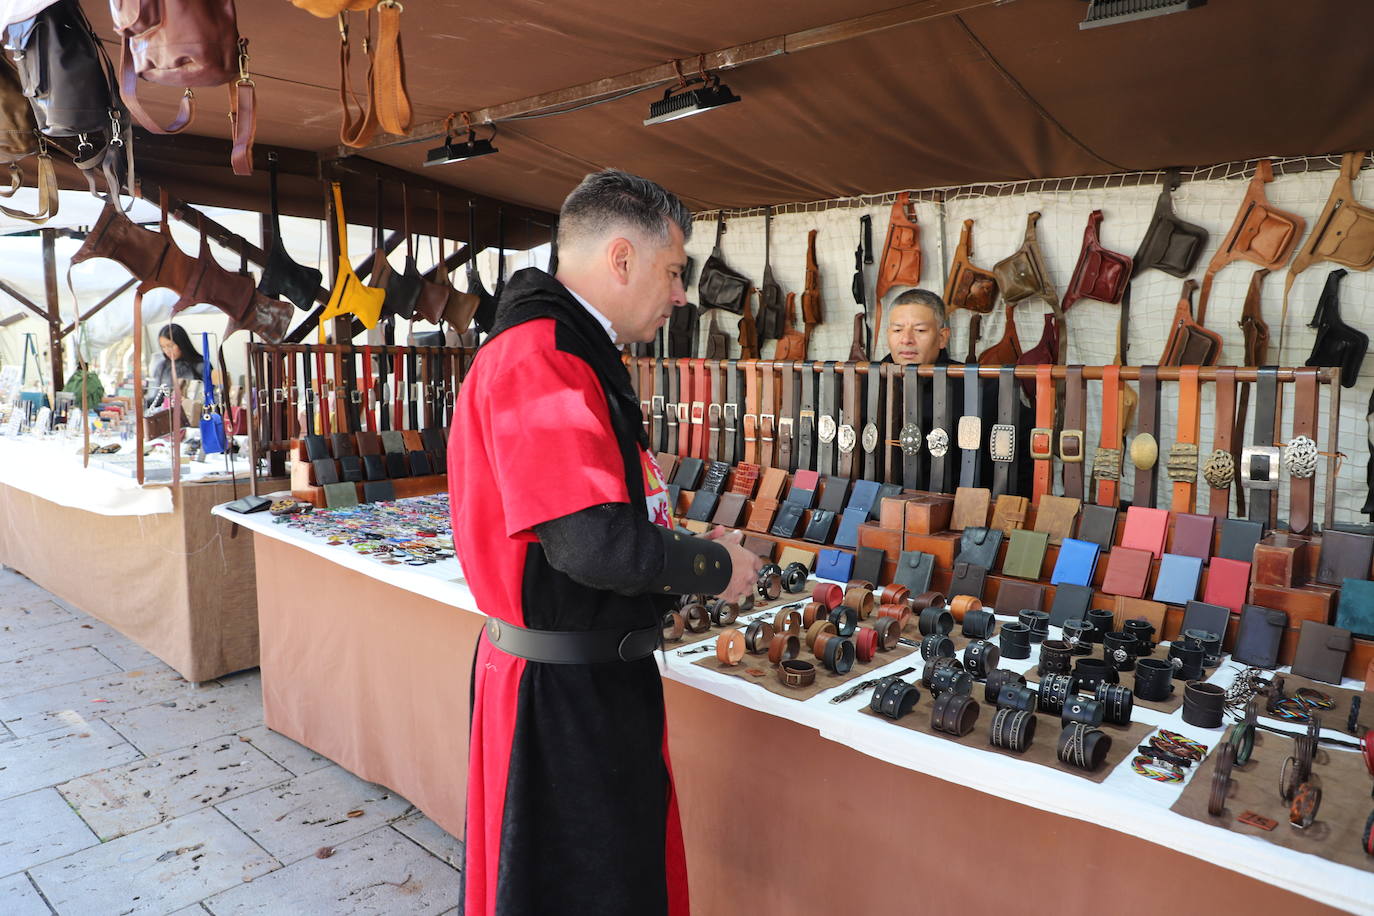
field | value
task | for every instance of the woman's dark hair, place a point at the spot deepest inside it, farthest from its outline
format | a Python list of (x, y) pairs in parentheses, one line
[(177, 335)]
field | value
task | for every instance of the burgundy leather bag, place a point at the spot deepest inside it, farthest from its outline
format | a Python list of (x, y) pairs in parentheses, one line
[(1100, 274)]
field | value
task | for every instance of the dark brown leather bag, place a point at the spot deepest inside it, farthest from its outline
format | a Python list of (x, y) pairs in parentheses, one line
[(1099, 274), (770, 319), (282, 276), (717, 341), (458, 307), (1252, 325), (748, 330), (1170, 244), (1023, 274), (433, 295), (211, 284), (138, 250), (901, 261), (1189, 343), (720, 287), (266, 317), (812, 314), (969, 287), (792, 343), (1007, 351)]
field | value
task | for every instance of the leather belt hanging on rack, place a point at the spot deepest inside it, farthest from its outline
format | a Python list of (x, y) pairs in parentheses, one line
[(1300, 454), (1042, 436), (1107, 460), (1071, 436), (1259, 461), (911, 436), (1183, 457), (826, 425), (1145, 445), (938, 439), (670, 444), (729, 413), (806, 420), (846, 435), (868, 434), (751, 413), (970, 431), (1002, 442), (701, 396), (892, 424), (787, 418), (715, 449), (658, 432), (768, 414), (1220, 470), (684, 408)]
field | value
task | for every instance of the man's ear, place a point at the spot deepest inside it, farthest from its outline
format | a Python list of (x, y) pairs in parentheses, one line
[(620, 255), (944, 337)]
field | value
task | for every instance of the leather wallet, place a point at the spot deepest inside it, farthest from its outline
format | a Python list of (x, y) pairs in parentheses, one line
[(351, 468), (1152, 612), (316, 447), (326, 471), (868, 564), (340, 495), (1009, 513), (1200, 615), (834, 493), (914, 569), (968, 579), (393, 441), (412, 440), (1015, 597), (1055, 516), (1227, 583), (1178, 578), (1258, 636), (674, 493), (1145, 529), (863, 495), (1193, 535), (1025, 554), (433, 439), (246, 504), (344, 444), (819, 527), (835, 564), (761, 546), (397, 465), (730, 511), (1321, 651), (368, 443), (378, 491), (788, 520), (703, 506), (1356, 610), (1071, 602), (979, 547), (1128, 572), (886, 491), (848, 533), (1238, 539), (667, 465), (1076, 564), (792, 555), (419, 465), (803, 489), (714, 477), (1098, 524), (1344, 556), (970, 508), (689, 471), (374, 467)]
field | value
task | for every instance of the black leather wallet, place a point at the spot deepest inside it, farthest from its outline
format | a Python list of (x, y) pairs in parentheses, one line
[(968, 579), (868, 564), (374, 467), (788, 519), (703, 505), (316, 447), (714, 479), (397, 465), (1238, 539), (836, 491), (433, 438), (914, 569), (378, 490), (344, 444), (326, 471), (351, 468), (1098, 525), (978, 547), (1071, 602), (689, 471), (1199, 615), (818, 529), (419, 464), (885, 491), (1257, 639), (247, 504)]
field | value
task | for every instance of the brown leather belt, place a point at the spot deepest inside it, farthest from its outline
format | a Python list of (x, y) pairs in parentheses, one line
[(1300, 455), (1042, 437), (892, 419), (1259, 470), (1216, 471), (1071, 436), (1107, 461), (751, 413), (729, 413), (684, 408), (1143, 448), (767, 416), (806, 419), (701, 393), (787, 417), (1183, 454), (868, 435), (825, 421), (658, 435), (846, 437)]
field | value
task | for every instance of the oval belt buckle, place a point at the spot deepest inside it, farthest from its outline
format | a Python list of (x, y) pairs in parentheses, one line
[(1300, 457)]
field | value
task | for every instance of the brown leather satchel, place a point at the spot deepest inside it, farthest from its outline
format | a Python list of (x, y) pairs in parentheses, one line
[(1189, 343), (387, 107), (1007, 351), (1170, 244), (1023, 273), (1262, 234), (811, 293), (792, 343), (211, 284), (748, 331), (138, 250), (969, 287), (1099, 274), (901, 261)]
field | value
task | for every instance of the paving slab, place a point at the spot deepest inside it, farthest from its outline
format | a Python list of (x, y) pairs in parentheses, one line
[(27, 764), (69, 705), (297, 758), (432, 837), (21, 898), (154, 871), (38, 828), (187, 720), (136, 795), (69, 634), (378, 873), (50, 669), (294, 819), (24, 614)]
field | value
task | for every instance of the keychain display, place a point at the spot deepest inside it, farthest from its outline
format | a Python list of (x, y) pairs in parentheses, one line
[(413, 531)]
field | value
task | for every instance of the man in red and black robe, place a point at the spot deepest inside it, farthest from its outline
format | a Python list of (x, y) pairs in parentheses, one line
[(561, 522)]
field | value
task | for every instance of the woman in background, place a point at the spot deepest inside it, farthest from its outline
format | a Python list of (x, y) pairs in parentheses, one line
[(178, 351)]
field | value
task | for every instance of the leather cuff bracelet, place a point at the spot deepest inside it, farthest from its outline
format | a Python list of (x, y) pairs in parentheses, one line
[(1117, 703), (828, 594), (889, 632), (900, 613), (846, 619), (1203, 704), (769, 585), (980, 657), (839, 654), (979, 624), (1038, 622), (1055, 657), (1089, 672), (1154, 679), (1118, 650), (783, 647), (1306, 802), (757, 636), (1054, 692), (673, 626), (1367, 841), (1143, 632), (1083, 747), (950, 679), (935, 620), (860, 598), (954, 714), (937, 645), (723, 613), (996, 680), (929, 599), (1012, 729), (730, 647), (795, 673), (1241, 737), (894, 698), (960, 605), (1015, 640), (1077, 709), (1100, 623), (794, 578), (697, 617), (894, 594), (1018, 696), (1187, 661), (814, 610), (788, 620), (928, 671), (865, 645), (816, 629), (1221, 780), (1076, 633)]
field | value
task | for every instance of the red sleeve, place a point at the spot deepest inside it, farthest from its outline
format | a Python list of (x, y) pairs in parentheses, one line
[(549, 440)]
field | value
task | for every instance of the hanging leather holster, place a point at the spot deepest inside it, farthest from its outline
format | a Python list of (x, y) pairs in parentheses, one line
[(1099, 274), (1189, 343), (719, 287), (1337, 343), (771, 317), (901, 261), (969, 287)]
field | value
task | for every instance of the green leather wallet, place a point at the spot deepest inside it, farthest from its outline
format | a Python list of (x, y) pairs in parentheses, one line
[(1025, 553)]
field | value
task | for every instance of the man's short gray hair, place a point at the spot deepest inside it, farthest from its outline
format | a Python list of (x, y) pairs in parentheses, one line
[(612, 199), (924, 297)]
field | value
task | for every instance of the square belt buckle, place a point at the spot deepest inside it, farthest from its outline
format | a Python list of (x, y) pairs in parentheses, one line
[(1259, 467), (656, 404), (970, 432), (1003, 442), (1071, 446), (1042, 443)]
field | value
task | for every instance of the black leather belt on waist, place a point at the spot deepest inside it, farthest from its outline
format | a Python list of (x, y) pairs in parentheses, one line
[(573, 647)]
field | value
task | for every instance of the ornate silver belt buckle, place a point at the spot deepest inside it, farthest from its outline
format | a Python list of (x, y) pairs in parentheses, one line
[(869, 439), (847, 438), (970, 431), (1300, 457), (1259, 467), (911, 439), (1003, 442), (825, 429), (937, 443)]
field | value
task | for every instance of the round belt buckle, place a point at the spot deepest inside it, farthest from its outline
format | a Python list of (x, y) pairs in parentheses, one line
[(869, 440), (911, 439), (1300, 457), (847, 438), (937, 443), (825, 429), (1220, 470), (1144, 451)]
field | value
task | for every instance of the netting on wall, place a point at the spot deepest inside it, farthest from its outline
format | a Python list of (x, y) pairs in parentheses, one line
[(1208, 196)]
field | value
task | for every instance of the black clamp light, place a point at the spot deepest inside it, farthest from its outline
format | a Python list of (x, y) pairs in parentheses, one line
[(470, 148), (693, 96)]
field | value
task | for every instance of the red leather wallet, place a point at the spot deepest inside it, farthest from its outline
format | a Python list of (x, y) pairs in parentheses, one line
[(1145, 529), (1128, 572), (1193, 534), (1227, 582)]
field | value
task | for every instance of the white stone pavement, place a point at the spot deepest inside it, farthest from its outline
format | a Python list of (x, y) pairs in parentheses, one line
[(125, 790)]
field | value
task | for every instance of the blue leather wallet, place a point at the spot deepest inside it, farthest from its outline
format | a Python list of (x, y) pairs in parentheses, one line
[(834, 564), (863, 495), (1356, 610), (848, 535), (1077, 562), (1178, 578)]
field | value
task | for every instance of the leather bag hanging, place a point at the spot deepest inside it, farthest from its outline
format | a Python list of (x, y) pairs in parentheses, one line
[(1045, 352), (792, 343), (1099, 274), (410, 275), (717, 341), (212, 439), (1337, 343), (459, 307), (770, 319), (748, 330), (402, 287), (1343, 233), (1023, 274), (901, 261), (349, 296), (969, 287), (1262, 234), (812, 313), (485, 313), (19, 139), (1189, 343), (720, 287), (434, 294), (1007, 351), (282, 276), (211, 284), (1170, 244), (387, 106)]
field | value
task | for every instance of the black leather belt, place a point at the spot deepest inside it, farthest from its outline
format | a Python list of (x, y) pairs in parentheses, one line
[(730, 412), (713, 444), (1002, 442), (659, 433), (826, 425), (1259, 462), (806, 420), (912, 437), (847, 436), (786, 416), (970, 431), (670, 445), (573, 647), (938, 440), (868, 437)]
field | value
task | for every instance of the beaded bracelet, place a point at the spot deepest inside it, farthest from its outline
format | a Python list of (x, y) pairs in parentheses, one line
[(1156, 770)]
